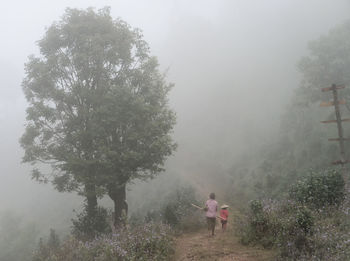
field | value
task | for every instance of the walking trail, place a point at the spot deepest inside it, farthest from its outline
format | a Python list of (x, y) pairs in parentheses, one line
[(222, 247)]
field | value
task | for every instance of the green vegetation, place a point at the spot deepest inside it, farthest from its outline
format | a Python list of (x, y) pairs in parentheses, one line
[(318, 190), (147, 236), (85, 227), (178, 212), (98, 119), (147, 242), (311, 224), (328, 63), (303, 214), (174, 209)]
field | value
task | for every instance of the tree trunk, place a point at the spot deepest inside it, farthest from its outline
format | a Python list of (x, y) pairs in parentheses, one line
[(91, 200), (118, 194)]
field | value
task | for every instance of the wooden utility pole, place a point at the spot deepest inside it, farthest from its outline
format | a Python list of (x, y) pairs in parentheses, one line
[(339, 124), (338, 120)]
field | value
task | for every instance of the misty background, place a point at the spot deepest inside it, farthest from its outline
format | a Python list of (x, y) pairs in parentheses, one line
[(234, 68)]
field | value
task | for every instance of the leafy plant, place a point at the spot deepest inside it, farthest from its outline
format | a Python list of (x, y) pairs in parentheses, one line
[(320, 189), (85, 228), (178, 211)]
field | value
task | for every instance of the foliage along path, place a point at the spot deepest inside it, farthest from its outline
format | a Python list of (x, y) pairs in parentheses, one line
[(222, 247)]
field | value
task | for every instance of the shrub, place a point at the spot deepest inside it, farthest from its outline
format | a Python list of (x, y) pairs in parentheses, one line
[(85, 228), (304, 219), (328, 241), (258, 219), (175, 210), (320, 189), (269, 223), (258, 222), (297, 231), (147, 242), (178, 211)]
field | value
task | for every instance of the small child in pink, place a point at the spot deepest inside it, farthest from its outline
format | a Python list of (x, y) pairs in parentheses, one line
[(224, 217)]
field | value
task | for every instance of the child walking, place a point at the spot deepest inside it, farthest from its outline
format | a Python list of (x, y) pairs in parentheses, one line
[(224, 216), (211, 207)]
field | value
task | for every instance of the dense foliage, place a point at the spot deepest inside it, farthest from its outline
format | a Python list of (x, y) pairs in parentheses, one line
[(178, 211), (174, 209), (320, 189), (298, 232), (147, 242), (303, 229), (85, 227), (307, 215), (327, 63), (271, 223)]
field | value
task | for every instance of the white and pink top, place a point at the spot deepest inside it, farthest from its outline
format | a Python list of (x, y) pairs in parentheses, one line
[(212, 206)]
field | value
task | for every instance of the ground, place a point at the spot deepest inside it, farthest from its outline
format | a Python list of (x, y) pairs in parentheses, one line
[(221, 247)]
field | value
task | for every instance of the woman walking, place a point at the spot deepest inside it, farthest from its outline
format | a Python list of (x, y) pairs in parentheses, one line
[(211, 207)]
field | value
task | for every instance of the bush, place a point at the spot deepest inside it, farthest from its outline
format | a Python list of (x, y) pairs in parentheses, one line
[(85, 228), (178, 211), (258, 218), (270, 223), (147, 242), (257, 225), (299, 232), (175, 210), (304, 219), (320, 189), (329, 240)]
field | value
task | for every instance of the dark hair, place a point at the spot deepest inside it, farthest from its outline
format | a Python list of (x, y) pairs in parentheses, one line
[(212, 195)]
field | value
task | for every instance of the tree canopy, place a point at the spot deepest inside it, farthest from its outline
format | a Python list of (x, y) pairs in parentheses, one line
[(327, 63)]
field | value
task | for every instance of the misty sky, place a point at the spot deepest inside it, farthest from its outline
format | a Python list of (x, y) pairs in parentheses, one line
[(233, 63)]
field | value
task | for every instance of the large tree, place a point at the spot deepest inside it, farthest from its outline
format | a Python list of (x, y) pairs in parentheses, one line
[(327, 63), (98, 111)]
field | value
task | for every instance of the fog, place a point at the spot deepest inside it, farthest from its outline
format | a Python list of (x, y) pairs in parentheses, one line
[(233, 64)]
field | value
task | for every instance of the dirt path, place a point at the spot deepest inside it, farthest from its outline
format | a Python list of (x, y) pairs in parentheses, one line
[(221, 247)]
